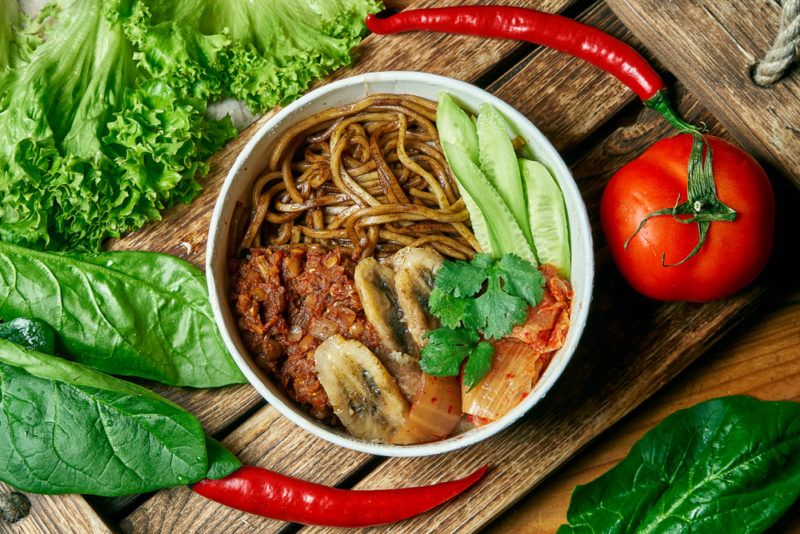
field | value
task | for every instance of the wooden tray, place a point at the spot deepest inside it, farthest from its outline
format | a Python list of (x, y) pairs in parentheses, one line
[(631, 346)]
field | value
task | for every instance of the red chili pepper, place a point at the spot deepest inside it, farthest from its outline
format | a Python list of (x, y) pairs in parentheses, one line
[(553, 31), (270, 494)]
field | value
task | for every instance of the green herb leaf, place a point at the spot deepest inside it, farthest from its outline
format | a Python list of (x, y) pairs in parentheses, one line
[(478, 364), (446, 349), (70, 429), (461, 278), (521, 279), (499, 312), (720, 466), (450, 310), (513, 285), (126, 313)]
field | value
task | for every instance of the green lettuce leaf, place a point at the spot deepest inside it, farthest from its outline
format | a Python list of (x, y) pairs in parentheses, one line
[(265, 52), (89, 147), (9, 18)]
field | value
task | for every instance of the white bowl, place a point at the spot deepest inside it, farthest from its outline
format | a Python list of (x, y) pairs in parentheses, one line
[(251, 162)]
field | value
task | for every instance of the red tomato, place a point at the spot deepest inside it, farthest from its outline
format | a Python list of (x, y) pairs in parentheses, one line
[(734, 252)]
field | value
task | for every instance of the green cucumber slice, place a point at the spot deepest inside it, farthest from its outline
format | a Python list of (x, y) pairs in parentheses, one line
[(548, 216), (505, 235), (499, 163), (456, 127)]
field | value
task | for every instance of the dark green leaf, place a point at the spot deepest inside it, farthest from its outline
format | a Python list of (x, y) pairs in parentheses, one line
[(478, 364), (450, 310), (460, 278), (69, 429), (31, 333), (127, 313), (499, 311), (221, 461), (446, 349), (726, 465), (521, 279)]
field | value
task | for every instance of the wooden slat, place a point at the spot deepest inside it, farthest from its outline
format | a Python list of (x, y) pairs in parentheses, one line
[(56, 513), (761, 359), (710, 47), (267, 439), (631, 347)]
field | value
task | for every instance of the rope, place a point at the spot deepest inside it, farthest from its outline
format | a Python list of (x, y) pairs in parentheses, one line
[(785, 48)]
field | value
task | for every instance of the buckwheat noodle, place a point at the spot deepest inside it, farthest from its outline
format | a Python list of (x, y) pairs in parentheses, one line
[(369, 177)]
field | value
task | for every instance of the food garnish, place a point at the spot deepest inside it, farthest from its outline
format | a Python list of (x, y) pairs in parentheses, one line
[(270, 494), (507, 288), (126, 313), (727, 464), (364, 396)]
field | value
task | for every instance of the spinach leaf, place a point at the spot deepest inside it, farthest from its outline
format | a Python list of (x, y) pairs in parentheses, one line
[(70, 429), (726, 465), (126, 313), (32, 333), (221, 461)]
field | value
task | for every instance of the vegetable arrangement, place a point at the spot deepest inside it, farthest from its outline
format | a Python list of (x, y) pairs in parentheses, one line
[(689, 176), (727, 464), (102, 119), (518, 216)]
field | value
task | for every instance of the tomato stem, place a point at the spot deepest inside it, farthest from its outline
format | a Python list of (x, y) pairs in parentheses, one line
[(703, 206)]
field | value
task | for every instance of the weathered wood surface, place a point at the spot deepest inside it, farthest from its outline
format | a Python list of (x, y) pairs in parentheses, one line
[(710, 47), (67, 514), (760, 358)]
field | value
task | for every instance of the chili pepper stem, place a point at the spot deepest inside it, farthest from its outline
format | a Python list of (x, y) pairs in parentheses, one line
[(662, 103)]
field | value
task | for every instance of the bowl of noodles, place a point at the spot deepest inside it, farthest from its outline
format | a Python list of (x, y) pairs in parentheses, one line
[(322, 251)]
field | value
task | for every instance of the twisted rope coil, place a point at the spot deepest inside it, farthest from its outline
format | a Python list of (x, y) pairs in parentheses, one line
[(785, 48)]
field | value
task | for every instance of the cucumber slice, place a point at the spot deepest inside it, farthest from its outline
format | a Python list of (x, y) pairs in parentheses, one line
[(479, 227), (499, 163), (456, 127), (548, 216), (505, 235)]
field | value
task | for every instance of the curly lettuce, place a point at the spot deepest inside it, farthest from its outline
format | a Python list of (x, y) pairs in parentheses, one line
[(264, 52), (103, 120), (90, 148), (9, 18)]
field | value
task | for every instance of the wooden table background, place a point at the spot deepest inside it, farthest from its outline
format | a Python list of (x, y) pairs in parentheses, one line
[(632, 347)]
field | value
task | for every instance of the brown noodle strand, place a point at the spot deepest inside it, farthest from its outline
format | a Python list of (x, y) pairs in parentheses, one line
[(369, 177)]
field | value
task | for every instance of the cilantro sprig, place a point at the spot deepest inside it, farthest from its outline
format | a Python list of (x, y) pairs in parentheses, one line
[(483, 298)]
